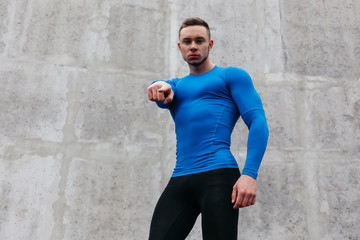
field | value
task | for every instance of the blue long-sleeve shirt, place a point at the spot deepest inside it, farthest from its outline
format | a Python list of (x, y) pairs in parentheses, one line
[(205, 110)]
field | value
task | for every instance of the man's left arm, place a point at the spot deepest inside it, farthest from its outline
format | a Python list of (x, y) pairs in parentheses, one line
[(250, 106), (244, 191)]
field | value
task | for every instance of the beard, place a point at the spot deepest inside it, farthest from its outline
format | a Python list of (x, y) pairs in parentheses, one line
[(198, 63)]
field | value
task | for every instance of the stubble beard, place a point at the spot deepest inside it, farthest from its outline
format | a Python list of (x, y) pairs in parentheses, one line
[(198, 63)]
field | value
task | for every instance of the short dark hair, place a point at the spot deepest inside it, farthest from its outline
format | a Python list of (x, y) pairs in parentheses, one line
[(195, 21)]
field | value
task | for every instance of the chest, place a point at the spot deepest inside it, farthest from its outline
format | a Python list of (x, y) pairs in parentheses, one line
[(205, 87)]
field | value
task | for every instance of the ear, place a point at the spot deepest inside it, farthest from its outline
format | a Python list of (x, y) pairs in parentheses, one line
[(211, 43), (179, 46)]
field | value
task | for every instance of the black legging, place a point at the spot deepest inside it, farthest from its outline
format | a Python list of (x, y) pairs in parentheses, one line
[(184, 198)]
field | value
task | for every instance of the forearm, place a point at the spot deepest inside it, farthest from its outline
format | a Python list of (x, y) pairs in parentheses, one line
[(257, 141), (162, 105)]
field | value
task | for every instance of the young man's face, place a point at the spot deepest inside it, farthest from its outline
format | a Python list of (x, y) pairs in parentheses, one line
[(194, 44)]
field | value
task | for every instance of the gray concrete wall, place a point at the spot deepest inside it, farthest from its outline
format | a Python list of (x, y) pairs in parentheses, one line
[(84, 155)]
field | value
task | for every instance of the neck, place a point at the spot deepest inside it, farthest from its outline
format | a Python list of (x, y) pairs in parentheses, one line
[(202, 68)]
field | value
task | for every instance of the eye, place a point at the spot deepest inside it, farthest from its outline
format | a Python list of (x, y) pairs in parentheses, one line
[(199, 41)]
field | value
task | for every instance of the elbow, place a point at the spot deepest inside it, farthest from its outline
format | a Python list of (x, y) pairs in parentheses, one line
[(266, 130), (257, 124), (262, 131)]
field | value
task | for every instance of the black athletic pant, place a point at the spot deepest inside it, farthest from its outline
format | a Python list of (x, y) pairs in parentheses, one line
[(184, 198)]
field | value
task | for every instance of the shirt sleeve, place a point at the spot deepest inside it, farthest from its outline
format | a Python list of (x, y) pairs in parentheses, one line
[(251, 110), (242, 90), (257, 141)]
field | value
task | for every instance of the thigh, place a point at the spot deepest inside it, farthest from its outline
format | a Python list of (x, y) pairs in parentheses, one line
[(219, 219), (175, 213)]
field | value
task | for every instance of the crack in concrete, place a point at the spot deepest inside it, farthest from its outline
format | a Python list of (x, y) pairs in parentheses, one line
[(60, 206), (308, 170)]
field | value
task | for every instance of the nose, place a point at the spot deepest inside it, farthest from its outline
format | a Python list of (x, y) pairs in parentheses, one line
[(193, 46)]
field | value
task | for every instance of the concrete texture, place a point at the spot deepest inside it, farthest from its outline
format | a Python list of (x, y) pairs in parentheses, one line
[(84, 155)]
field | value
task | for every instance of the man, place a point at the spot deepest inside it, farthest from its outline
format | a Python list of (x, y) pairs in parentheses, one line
[(205, 106)]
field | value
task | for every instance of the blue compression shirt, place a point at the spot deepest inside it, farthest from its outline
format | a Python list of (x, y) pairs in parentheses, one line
[(205, 110)]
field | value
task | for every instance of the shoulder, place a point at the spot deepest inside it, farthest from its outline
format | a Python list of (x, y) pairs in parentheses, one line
[(173, 81), (236, 74), (236, 71)]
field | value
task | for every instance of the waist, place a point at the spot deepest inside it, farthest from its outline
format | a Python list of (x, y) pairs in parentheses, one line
[(203, 162)]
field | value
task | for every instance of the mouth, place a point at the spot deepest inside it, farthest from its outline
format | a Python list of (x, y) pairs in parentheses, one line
[(193, 56)]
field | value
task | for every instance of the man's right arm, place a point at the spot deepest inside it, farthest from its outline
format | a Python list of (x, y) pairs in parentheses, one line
[(162, 93)]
